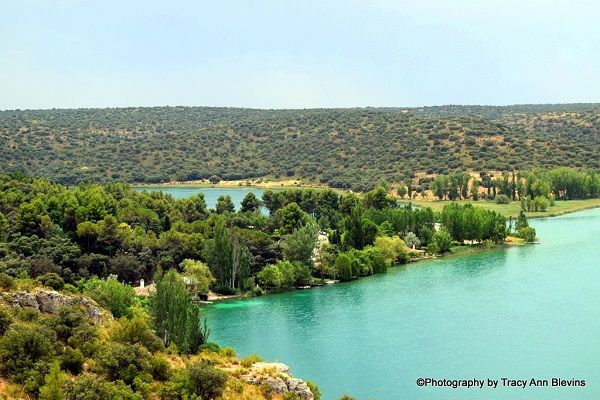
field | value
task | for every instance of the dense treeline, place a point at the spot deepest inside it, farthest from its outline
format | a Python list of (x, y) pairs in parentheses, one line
[(54, 233), (349, 148), (536, 189)]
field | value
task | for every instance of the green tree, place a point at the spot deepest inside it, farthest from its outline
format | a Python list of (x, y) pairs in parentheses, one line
[(300, 244), (200, 272), (224, 205), (54, 389), (176, 316), (290, 218), (250, 203)]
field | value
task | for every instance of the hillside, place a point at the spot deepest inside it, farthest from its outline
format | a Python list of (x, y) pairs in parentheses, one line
[(338, 147)]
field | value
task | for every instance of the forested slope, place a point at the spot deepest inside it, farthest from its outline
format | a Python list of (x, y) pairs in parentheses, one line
[(338, 147)]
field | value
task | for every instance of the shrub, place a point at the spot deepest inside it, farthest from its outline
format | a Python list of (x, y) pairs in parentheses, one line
[(343, 267), (206, 380), (52, 280), (502, 199), (93, 387), (527, 233), (210, 347), (249, 360), (5, 320), (314, 389), (136, 330), (124, 362), (72, 326), (54, 388), (160, 368), (24, 347), (72, 360), (228, 352), (7, 282), (112, 295)]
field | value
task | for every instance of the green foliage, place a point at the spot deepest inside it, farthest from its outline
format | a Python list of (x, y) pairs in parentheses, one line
[(52, 280), (72, 360), (23, 349), (527, 233), (54, 388), (94, 387), (392, 248), (440, 242), (249, 360), (300, 244), (7, 282), (314, 388), (290, 217), (176, 316), (439, 139), (136, 331), (72, 327), (502, 199), (224, 205), (117, 361), (200, 273), (111, 294), (5, 319), (250, 203), (198, 381)]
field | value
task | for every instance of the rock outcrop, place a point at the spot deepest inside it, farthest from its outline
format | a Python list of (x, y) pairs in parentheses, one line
[(277, 377), (51, 302)]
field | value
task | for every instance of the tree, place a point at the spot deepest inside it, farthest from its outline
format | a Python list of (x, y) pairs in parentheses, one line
[(441, 242), (22, 348), (343, 267), (402, 190), (250, 203), (224, 205), (412, 240), (270, 276), (290, 218), (300, 244), (54, 389), (392, 247), (378, 198), (176, 317), (206, 381), (200, 272), (521, 221)]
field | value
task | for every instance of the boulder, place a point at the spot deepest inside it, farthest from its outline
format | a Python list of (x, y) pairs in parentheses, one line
[(50, 301), (277, 377)]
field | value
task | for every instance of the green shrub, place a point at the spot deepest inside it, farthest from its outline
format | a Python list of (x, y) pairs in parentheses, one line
[(249, 360), (209, 347), (125, 362), (314, 389), (72, 360), (72, 326), (112, 295), (527, 233), (160, 368), (136, 330), (93, 387), (7, 282), (502, 199), (52, 280), (5, 320), (206, 380), (24, 347)]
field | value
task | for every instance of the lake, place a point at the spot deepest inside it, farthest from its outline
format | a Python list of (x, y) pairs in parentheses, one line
[(522, 313), (211, 194)]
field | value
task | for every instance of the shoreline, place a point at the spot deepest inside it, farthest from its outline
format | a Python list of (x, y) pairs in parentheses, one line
[(461, 251)]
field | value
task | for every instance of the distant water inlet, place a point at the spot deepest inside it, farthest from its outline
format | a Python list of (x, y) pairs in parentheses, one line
[(530, 312), (211, 194)]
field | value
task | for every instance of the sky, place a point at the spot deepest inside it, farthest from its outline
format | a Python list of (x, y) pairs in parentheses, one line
[(297, 54)]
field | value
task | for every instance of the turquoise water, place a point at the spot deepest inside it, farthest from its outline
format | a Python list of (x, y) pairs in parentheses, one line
[(522, 313), (210, 194)]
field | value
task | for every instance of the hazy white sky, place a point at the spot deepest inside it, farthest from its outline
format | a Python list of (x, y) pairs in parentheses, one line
[(296, 54)]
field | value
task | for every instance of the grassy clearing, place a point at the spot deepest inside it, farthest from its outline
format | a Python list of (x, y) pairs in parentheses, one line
[(512, 209)]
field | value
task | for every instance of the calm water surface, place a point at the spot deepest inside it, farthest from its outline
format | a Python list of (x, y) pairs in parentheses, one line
[(526, 312), (210, 194)]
